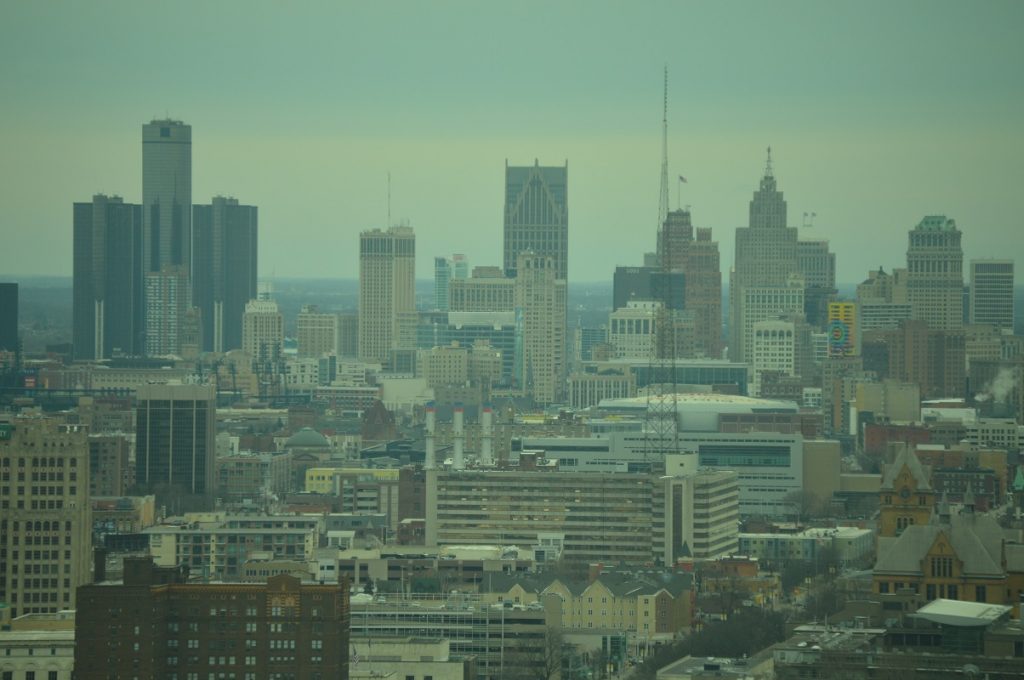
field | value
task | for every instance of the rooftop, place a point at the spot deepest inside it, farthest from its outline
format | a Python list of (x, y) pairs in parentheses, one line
[(962, 614)]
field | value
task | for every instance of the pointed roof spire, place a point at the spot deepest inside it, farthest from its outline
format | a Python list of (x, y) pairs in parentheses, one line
[(768, 165)]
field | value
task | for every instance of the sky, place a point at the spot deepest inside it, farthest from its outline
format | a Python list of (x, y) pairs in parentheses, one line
[(878, 113)]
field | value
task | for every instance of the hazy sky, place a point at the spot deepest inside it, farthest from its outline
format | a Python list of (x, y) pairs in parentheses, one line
[(877, 112)]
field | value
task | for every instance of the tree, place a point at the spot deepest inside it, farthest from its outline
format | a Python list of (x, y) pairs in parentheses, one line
[(541, 661)]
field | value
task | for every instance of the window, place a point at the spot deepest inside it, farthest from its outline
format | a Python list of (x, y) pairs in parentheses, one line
[(980, 594)]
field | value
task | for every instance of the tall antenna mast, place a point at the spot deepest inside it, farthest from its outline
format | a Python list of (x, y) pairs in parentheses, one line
[(661, 434), (663, 199)]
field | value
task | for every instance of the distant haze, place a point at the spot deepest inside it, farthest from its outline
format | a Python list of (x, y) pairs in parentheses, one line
[(877, 113)]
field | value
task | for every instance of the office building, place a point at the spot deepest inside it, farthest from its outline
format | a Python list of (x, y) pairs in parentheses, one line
[(387, 295), (537, 216), (817, 265), (882, 300), (166, 195), (348, 335), (156, 624), (773, 351), (596, 516), (109, 465), (9, 317), (632, 329), (224, 269), (935, 278), (446, 269), (107, 278), (487, 290), (766, 260), (648, 284), (316, 332), (992, 293), (468, 329), (44, 501), (168, 299), (175, 427), (263, 332), (842, 331), (697, 259), (540, 299)]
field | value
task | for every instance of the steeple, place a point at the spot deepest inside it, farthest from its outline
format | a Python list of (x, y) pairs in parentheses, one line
[(768, 165)]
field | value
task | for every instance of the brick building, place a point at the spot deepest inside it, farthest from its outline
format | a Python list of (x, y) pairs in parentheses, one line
[(155, 624)]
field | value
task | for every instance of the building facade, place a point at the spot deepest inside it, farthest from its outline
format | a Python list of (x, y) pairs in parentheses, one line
[(45, 517), (387, 295), (224, 269), (107, 279), (168, 299), (540, 299), (935, 277), (263, 333), (537, 216), (317, 332), (992, 293), (175, 427), (157, 625)]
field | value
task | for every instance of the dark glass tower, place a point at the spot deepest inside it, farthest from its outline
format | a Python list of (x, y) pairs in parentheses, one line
[(537, 215), (224, 269), (9, 317), (107, 303)]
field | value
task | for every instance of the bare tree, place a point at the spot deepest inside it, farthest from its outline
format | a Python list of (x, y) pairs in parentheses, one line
[(540, 660)]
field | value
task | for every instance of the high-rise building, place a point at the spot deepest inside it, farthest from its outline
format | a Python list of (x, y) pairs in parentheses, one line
[(818, 266), (991, 293), (167, 194), (540, 302), (537, 215), (9, 317), (387, 291), (224, 269), (766, 259), (442, 275), (175, 427), (348, 335), (882, 300), (632, 330), (168, 299), (698, 260), (487, 290), (107, 279), (773, 350), (316, 332), (842, 331), (263, 332), (44, 497), (935, 278)]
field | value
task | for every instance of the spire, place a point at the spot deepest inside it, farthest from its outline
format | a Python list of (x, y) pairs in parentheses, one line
[(768, 165), (663, 198)]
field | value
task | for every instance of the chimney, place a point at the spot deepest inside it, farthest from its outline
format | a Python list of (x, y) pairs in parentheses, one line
[(99, 564), (458, 439), (428, 456), (487, 436)]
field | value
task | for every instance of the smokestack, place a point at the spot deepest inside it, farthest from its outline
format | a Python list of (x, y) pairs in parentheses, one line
[(428, 457), (486, 436), (458, 439), (99, 564)]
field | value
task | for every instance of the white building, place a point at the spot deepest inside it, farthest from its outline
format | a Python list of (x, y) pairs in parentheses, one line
[(773, 349), (262, 330), (387, 291), (632, 330), (935, 278), (540, 301)]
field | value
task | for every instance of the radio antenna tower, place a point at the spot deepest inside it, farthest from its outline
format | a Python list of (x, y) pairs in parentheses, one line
[(661, 435)]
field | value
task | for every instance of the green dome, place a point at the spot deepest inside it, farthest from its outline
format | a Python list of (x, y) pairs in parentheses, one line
[(307, 438)]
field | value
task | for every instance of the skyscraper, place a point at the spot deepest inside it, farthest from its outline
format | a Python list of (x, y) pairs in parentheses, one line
[(935, 278), (45, 502), (316, 332), (697, 258), (442, 275), (107, 315), (9, 317), (168, 298), (540, 302), (387, 292), (766, 258), (175, 427), (263, 333), (818, 266), (224, 269), (537, 215), (991, 293), (167, 194)]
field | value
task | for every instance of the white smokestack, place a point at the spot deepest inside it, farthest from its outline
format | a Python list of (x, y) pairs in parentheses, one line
[(428, 457), (458, 439), (486, 436)]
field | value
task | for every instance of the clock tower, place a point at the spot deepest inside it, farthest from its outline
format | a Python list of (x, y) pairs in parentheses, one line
[(906, 496)]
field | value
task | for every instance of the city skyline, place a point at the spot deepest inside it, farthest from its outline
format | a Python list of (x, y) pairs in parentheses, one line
[(880, 138)]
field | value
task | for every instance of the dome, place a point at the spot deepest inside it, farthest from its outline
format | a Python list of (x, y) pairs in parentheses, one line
[(308, 438)]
